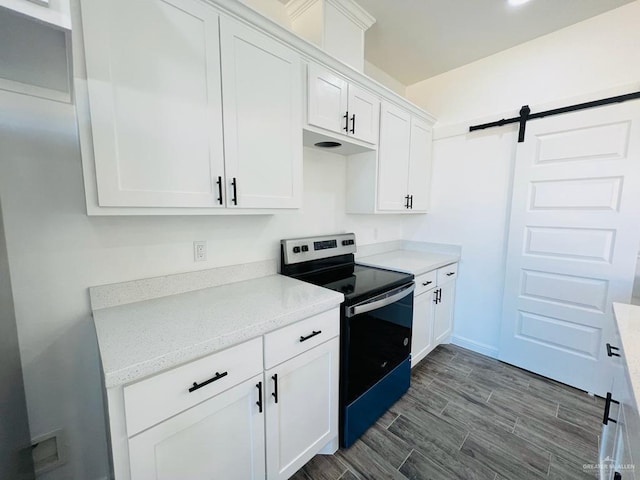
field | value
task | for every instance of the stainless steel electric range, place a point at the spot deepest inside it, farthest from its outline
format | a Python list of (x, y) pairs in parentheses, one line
[(375, 325)]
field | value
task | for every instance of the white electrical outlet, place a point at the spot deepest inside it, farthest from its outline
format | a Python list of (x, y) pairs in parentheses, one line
[(200, 251)]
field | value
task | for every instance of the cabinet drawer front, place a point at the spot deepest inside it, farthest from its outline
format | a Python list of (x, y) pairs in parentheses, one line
[(425, 282), (300, 337), (152, 400), (447, 274)]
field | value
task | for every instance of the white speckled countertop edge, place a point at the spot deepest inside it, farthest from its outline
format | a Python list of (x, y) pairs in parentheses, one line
[(174, 359), (104, 296), (410, 261), (628, 321), (141, 339)]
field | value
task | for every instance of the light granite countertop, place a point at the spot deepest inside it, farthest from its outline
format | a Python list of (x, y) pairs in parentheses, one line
[(410, 261), (628, 320), (143, 338)]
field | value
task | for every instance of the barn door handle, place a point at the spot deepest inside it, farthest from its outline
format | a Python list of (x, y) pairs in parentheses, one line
[(607, 408), (610, 351)]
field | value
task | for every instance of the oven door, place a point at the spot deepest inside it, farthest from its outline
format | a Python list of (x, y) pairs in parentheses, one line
[(378, 338)]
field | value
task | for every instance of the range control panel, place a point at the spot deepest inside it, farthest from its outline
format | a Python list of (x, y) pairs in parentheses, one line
[(298, 250)]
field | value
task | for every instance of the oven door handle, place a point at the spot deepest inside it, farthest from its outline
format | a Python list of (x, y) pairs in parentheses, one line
[(387, 299)]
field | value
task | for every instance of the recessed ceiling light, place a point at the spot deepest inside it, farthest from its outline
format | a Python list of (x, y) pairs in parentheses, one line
[(517, 2)]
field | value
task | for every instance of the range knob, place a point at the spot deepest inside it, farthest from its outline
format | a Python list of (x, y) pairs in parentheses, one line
[(305, 248), (296, 249)]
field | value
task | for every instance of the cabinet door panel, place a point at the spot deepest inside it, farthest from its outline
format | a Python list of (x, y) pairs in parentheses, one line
[(221, 438), (420, 165), (422, 333), (305, 418), (364, 112), (155, 99), (262, 118), (327, 100), (393, 158), (443, 322)]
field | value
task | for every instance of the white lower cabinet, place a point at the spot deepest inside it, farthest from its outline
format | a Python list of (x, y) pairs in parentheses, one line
[(301, 408), (222, 437), (443, 318), (260, 409), (422, 334), (432, 311)]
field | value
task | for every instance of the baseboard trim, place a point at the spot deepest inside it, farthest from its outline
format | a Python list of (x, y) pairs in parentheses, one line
[(478, 347)]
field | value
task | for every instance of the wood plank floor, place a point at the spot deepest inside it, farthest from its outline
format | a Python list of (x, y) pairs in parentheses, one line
[(467, 416)]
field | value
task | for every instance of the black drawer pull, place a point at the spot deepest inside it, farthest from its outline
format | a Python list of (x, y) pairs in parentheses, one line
[(234, 184), (346, 122), (259, 402), (610, 351), (424, 284), (353, 123), (607, 407), (313, 334), (275, 387), (211, 380), (219, 183), (450, 273)]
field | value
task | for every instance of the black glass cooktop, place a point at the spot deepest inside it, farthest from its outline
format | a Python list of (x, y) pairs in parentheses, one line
[(357, 282)]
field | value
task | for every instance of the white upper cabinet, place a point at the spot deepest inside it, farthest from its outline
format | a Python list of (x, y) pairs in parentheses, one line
[(262, 97), (393, 158), (327, 100), (56, 13), (420, 165), (398, 179), (159, 94), (155, 99), (341, 107)]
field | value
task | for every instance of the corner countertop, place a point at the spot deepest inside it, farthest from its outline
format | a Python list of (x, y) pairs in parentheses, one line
[(140, 339), (628, 320), (410, 261)]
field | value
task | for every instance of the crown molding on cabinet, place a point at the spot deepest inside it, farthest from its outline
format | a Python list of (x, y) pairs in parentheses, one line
[(350, 9), (354, 12), (311, 52)]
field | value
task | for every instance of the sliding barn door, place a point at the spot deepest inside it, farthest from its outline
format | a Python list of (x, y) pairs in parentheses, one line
[(573, 240)]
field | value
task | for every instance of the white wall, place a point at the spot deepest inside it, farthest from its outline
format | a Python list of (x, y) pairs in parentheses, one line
[(472, 173), (384, 78), (56, 252), (590, 56)]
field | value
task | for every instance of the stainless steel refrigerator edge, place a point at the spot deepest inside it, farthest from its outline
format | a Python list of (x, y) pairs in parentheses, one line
[(15, 440)]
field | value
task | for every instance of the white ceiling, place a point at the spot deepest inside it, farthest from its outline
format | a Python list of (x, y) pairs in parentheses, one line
[(416, 39)]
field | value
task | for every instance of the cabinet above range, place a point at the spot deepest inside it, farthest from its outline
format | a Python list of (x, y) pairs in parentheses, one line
[(203, 111)]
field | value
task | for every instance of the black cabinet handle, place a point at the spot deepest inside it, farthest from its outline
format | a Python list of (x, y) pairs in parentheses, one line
[(424, 284), (234, 184), (313, 334), (435, 300), (346, 122), (259, 402), (275, 387), (353, 123), (450, 273), (218, 376), (406, 199), (607, 407), (219, 183), (411, 202), (610, 351)]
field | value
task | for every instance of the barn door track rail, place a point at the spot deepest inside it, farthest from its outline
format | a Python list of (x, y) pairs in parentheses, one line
[(525, 113)]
